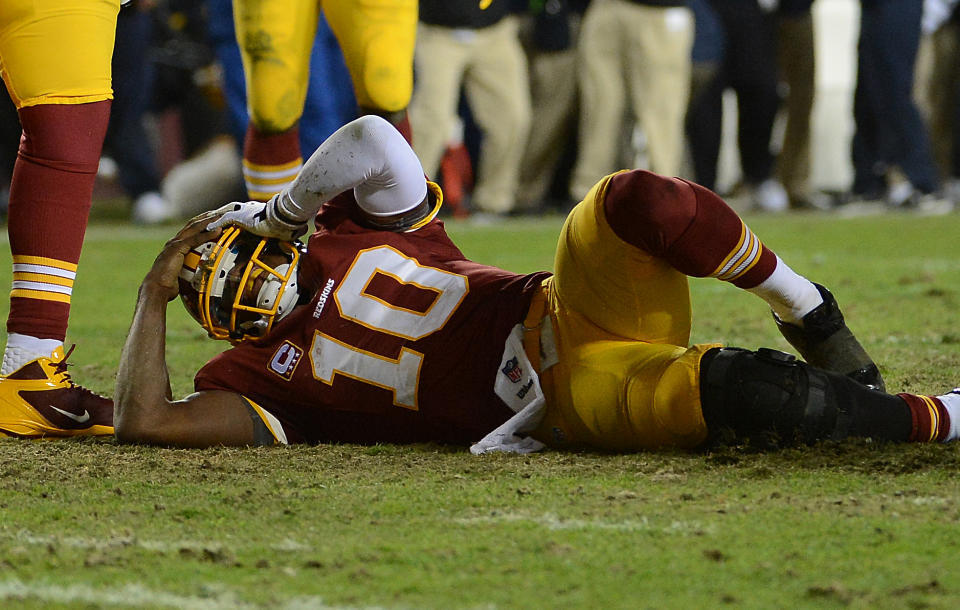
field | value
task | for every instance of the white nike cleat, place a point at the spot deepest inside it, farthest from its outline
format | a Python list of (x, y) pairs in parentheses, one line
[(40, 400)]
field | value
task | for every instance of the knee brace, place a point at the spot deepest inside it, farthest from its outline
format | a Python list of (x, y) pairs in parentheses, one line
[(769, 396)]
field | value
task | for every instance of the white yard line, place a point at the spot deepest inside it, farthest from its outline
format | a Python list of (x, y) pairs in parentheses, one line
[(552, 522), (133, 595), (129, 596), (94, 543)]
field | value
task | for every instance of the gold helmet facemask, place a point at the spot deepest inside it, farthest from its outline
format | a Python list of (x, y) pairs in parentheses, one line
[(240, 285)]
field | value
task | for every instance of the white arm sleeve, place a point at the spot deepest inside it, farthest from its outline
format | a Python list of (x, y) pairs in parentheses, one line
[(368, 155)]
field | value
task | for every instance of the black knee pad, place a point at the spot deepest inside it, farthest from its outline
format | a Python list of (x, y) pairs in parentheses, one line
[(768, 396)]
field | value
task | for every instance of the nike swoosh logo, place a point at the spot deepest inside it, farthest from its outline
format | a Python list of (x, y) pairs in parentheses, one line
[(80, 419)]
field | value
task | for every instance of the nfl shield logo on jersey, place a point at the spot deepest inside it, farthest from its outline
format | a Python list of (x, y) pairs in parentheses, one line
[(512, 370), (285, 360)]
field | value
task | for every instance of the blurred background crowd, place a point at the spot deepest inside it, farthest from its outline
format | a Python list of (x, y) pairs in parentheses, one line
[(519, 106)]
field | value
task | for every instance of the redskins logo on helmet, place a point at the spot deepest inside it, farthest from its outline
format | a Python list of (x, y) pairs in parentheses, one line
[(238, 286)]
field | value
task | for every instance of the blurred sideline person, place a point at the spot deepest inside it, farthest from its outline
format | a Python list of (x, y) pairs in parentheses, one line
[(55, 61), (380, 330), (474, 47), (276, 37), (749, 67), (550, 41), (889, 131), (796, 59), (634, 56), (191, 86), (134, 75), (938, 89), (164, 69)]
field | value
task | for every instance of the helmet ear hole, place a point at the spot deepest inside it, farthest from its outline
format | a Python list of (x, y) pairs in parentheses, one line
[(239, 286)]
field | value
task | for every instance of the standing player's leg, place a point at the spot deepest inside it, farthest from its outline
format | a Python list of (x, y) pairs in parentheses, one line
[(56, 66), (694, 231), (275, 39), (377, 39)]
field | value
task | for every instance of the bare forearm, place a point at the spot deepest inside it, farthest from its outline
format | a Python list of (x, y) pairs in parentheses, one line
[(143, 385)]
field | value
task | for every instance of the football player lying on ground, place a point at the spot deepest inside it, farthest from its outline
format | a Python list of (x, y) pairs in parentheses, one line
[(381, 331)]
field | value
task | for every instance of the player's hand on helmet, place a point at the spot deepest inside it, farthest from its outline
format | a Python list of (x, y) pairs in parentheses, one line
[(260, 218), (163, 276)]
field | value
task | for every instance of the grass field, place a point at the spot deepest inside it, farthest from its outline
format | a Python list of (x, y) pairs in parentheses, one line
[(90, 524)]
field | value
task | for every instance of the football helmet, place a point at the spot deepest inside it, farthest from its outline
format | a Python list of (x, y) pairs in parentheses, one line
[(240, 285)]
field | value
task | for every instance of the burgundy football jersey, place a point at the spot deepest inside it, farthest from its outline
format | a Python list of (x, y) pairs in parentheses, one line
[(401, 341)]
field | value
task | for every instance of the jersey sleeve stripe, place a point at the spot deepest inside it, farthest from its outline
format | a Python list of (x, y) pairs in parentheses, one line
[(272, 423)]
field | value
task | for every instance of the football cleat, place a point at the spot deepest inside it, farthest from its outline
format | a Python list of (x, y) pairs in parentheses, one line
[(40, 400), (826, 343)]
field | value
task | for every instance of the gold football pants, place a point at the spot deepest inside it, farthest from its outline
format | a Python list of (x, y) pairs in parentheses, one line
[(626, 379), (57, 51), (276, 37)]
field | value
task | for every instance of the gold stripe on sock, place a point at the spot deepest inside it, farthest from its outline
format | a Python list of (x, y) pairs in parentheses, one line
[(43, 260), (40, 295), (279, 167), (42, 278), (733, 252), (752, 254)]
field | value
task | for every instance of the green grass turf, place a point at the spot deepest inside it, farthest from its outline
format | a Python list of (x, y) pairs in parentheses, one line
[(89, 524)]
